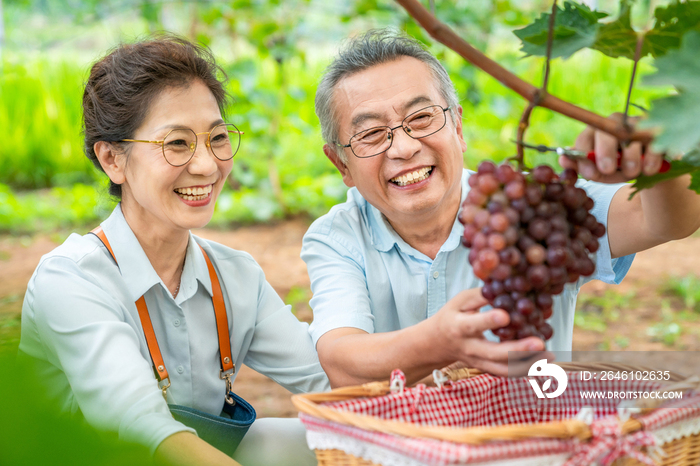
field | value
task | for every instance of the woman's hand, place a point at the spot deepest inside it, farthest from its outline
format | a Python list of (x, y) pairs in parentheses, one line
[(635, 160), (186, 449)]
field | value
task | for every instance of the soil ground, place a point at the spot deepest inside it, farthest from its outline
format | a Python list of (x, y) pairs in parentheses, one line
[(641, 314)]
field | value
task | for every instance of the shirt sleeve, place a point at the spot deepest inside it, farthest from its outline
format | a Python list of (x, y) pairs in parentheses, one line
[(339, 285), (281, 347), (608, 270), (84, 333)]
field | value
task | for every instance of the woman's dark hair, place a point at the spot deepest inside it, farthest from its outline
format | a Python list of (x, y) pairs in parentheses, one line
[(123, 84)]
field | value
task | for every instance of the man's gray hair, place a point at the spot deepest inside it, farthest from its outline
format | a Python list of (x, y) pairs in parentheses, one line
[(373, 48)]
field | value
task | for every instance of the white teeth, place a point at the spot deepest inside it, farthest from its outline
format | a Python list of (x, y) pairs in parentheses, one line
[(413, 177), (194, 194)]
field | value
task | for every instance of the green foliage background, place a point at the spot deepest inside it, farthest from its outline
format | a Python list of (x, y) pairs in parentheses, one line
[(274, 53), (34, 432)]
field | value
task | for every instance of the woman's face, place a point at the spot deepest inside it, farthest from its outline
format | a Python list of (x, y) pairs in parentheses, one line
[(157, 195)]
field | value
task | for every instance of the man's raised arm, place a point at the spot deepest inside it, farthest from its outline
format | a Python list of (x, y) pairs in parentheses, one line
[(665, 212)]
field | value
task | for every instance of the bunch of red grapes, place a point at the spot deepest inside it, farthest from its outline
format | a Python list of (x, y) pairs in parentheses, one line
[(529, 235)]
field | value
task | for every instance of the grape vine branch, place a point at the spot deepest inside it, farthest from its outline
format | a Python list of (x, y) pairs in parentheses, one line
[(446, 36)]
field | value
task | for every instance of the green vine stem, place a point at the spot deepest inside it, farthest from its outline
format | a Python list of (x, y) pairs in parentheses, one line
[(637, 55), (525, 118)]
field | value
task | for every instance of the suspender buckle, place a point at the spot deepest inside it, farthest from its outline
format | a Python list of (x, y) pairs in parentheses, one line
[(164, 387), (229, 386)]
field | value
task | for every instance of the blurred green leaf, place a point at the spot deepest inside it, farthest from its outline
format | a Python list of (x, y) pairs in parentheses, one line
[(671, 23), (678, 168), (580, 27), (618, 38), (680, 68), (34, 432), (678, 116), (695, 182)]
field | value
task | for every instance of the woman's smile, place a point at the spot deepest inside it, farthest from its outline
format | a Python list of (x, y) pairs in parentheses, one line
[(195, 193)]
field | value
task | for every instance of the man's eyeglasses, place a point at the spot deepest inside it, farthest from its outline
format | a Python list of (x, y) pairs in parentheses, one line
[(179, 145), (420, 124)]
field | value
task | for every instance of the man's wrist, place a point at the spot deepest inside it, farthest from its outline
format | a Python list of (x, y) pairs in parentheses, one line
[(428, 351)]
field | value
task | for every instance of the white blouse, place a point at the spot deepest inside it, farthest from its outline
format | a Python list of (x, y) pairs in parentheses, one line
[(79, 321)]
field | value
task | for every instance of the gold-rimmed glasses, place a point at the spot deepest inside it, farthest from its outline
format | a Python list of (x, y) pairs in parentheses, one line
[(180, 144)]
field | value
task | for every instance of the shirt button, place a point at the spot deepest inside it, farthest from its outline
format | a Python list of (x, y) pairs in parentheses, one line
[(176, 322), (180, 369), (436, 274)]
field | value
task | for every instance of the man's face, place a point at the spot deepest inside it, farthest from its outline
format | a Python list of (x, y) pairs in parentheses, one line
[(383, 96)]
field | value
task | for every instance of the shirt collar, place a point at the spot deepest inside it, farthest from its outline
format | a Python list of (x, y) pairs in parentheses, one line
[(195, 270), (384, 237), (137, 271)]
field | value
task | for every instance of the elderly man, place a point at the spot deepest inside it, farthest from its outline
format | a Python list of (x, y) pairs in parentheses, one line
[(387, 269)]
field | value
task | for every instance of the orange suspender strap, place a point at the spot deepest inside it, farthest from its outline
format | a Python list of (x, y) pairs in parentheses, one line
[(228, 368), (101, 234), (151, 341)]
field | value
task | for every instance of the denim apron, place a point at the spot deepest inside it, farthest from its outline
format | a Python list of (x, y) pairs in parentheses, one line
[(225, 431)]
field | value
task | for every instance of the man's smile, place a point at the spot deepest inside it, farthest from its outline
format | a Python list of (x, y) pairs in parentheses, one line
[(412, 177)]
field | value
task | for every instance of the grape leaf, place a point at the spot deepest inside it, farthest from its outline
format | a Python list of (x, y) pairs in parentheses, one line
[(678, 116), (678, 168), (679, 68), (618, 38), (579, 27), (671, 23), (575, 27)]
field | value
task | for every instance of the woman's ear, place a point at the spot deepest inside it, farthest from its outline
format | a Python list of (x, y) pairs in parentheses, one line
[(112, 160)]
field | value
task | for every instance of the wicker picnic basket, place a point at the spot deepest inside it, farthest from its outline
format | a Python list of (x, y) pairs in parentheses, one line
[(467, 420)]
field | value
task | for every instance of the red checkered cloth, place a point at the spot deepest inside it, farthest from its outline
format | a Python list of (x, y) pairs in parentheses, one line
[(488, 401), (679, 410)]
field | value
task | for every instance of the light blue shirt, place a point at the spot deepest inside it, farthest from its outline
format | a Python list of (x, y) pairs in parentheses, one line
[(365, 276), (79, 321)]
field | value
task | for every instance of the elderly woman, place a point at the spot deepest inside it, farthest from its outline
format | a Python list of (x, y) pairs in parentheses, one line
[(104, 312)]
